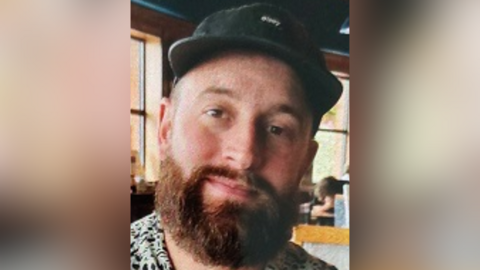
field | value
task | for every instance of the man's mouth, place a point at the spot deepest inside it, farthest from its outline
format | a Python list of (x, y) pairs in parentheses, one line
[(227, 188)]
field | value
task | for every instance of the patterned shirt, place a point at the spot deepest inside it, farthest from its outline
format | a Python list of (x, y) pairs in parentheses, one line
[(148, 250)]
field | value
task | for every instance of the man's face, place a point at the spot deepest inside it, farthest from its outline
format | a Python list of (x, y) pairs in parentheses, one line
[(235, 141), (241, 110)]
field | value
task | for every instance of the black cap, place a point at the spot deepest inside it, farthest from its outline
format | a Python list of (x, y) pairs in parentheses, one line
[(270, 30)]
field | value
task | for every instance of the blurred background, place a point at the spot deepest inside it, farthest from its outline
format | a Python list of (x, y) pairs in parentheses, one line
[(421, 174), (63, 133)]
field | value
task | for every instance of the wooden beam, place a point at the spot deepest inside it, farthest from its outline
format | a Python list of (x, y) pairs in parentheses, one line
[(338, 63)]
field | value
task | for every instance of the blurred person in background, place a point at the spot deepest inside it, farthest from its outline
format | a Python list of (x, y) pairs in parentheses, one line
[(322, 210), (235, 140), (325, 191)]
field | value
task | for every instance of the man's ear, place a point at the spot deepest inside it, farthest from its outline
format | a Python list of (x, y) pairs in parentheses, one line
[(164, 126)]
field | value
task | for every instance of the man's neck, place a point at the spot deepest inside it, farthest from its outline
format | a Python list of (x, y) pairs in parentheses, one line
[(183, 260)]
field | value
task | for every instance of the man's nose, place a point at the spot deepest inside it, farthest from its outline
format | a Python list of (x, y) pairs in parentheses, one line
[(243, 147)]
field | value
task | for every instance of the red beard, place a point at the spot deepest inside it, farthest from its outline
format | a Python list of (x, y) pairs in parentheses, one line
[(230, 233)]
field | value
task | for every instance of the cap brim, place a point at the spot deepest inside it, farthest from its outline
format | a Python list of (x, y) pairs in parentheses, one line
[(324, 87)]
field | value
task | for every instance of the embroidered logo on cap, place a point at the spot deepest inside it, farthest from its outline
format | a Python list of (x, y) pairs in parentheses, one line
[(270, 20)]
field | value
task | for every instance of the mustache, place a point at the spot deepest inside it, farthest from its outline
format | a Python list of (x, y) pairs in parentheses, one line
[(252, 181)]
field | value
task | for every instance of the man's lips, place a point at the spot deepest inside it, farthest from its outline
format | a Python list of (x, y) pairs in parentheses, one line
[(227, 187)]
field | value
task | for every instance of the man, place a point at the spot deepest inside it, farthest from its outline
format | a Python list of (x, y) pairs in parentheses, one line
[(235, 139)]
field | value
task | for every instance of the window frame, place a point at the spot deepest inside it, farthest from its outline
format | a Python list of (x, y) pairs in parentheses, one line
[(141, 112)]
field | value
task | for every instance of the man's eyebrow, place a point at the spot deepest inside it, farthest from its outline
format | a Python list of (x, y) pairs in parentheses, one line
[(287, 109), (218, 91)]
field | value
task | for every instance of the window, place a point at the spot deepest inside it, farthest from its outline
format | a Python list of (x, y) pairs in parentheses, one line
[(145, 95), (333, 137), (137, 99)]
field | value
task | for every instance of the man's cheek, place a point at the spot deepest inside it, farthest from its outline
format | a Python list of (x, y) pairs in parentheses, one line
[(202, 144), (276, 170)]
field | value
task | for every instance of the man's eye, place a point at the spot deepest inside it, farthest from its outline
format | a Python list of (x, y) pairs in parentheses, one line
[(275, 130), (217, 113)]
